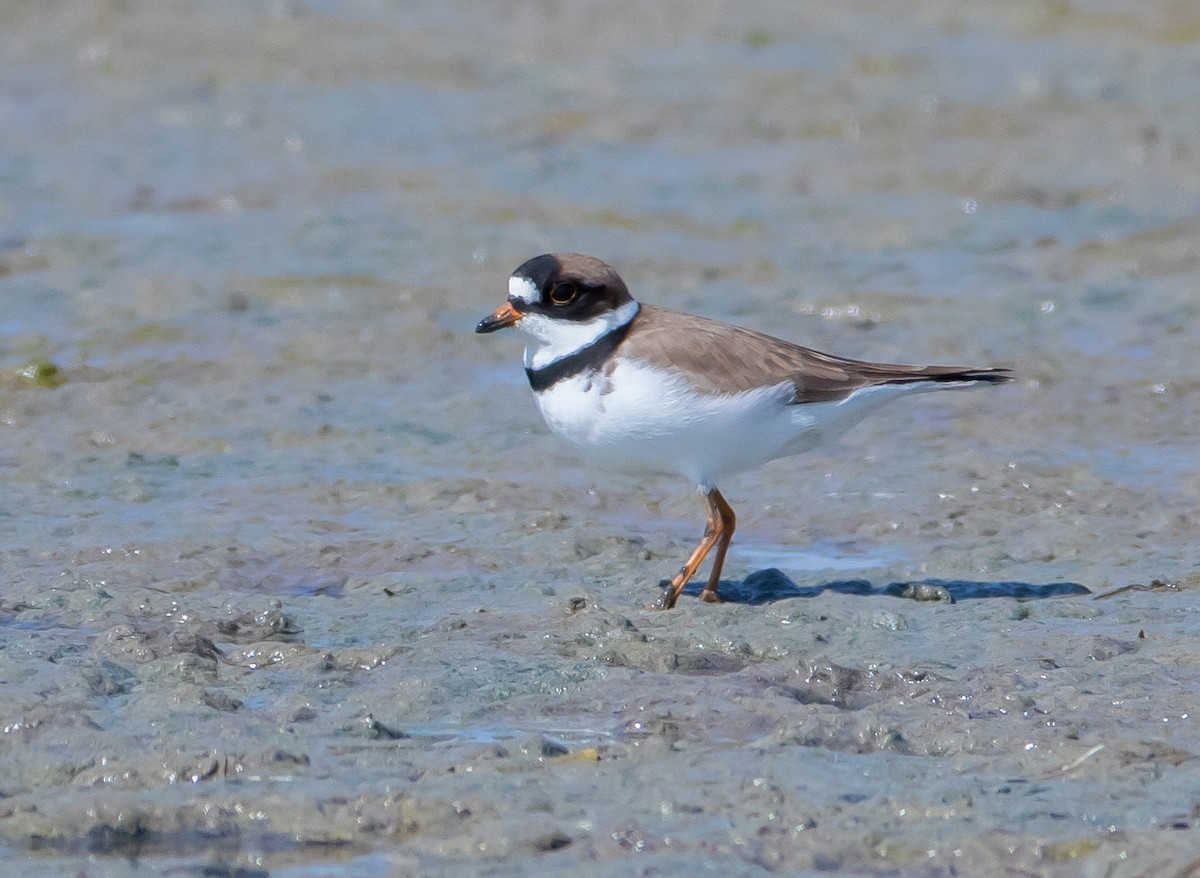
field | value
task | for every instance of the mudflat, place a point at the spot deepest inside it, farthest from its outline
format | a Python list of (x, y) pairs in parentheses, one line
[(296, 583)]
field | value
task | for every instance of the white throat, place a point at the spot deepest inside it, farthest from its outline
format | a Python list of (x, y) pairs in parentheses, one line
[(551, 339)]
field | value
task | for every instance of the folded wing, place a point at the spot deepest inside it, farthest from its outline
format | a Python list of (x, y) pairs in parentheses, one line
[(732, 359)]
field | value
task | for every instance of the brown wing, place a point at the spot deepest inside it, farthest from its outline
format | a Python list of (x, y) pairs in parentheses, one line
[(732, 359)]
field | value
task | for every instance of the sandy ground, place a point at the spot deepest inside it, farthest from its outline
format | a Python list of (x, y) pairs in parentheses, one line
[(295, 582)]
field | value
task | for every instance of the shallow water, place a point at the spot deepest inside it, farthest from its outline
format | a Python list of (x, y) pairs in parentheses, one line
[(296, 583)]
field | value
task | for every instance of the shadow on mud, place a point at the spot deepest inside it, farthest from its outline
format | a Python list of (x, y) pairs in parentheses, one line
[(770, 585)]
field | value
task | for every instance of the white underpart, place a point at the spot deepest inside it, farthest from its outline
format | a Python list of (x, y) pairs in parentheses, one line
[(641, 418), (551, 339), (522, 288)]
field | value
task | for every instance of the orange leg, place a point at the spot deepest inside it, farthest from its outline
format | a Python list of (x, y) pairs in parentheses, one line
[(728, 523), (717, 532)]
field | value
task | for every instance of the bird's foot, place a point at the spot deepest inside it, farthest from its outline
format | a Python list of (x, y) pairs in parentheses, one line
[(664, 602)]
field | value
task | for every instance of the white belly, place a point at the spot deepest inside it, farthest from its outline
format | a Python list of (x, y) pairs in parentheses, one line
[(645, 419)]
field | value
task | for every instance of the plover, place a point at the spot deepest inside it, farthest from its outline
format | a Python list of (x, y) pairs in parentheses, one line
[(641, 388)]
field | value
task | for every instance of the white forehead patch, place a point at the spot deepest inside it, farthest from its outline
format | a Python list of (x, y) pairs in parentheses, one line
[(522, 288)]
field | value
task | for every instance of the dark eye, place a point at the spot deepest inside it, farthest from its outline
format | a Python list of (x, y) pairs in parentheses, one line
[(564, 293)]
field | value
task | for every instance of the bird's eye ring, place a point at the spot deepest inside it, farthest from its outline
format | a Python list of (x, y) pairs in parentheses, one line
[(563, 293)]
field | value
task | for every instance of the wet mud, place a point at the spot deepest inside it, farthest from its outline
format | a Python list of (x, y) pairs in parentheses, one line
[(296, 583)]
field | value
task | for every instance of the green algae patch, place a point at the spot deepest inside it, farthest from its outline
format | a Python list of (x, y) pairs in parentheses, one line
[(41, 373), (1065, 851)]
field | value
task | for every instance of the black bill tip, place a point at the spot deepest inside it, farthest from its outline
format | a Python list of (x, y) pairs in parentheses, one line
[(504, 316)]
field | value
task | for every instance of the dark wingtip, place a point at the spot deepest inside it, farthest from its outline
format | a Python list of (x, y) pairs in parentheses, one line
[(997, 375), (952, 375)]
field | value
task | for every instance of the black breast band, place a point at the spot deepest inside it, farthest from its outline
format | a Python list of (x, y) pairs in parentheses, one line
[(584, 359)]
